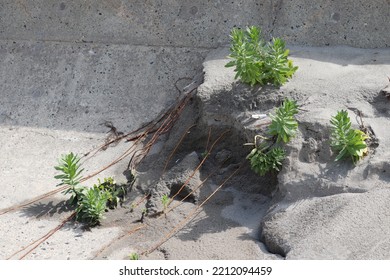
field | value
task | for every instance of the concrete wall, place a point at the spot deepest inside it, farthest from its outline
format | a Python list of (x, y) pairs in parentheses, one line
[(357, 23), (191, 23), (197, 23)]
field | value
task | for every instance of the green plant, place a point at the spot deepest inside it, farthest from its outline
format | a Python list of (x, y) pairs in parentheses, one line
[(92, 205), (267, 156), (347, 141), (165, 201), (256, 61), (283, 124), (115, 193), (134, 256), (263, 162), (132, 207), (70, 168)]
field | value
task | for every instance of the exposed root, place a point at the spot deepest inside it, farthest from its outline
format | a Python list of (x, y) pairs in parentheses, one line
[(39, 241), (198, 167), (192, 192), (167, 211), (29, 202), (127, 233), (176, 147)]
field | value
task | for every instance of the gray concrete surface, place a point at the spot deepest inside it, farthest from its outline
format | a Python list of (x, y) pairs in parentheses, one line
[(362, 24), (196, 23), (200, 24), (56, 85)]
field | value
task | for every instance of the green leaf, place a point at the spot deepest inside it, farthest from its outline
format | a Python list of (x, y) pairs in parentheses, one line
[(70, 174), (263, 163), (283, 124), (346, 141), (230, 64)]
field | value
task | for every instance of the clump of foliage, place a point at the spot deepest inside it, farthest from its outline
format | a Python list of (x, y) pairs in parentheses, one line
[(264, 161), (95, 201), (92, 206), (284, 125), (70, 168), (115, 193), (90, 203), (348, 142), (258, 62), (134, 256), (267, 156)]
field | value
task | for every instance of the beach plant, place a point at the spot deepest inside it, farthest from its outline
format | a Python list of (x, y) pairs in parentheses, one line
[(91, 207), (264, 161), (165, 201), (284, 124), (90, 203), (258, 62), (96, 200), (134, 256), (70, 174), (268, 155), (348, 142), (115, 193)]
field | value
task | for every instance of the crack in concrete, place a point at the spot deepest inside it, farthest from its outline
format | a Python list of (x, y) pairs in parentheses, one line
[(89, 42)]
